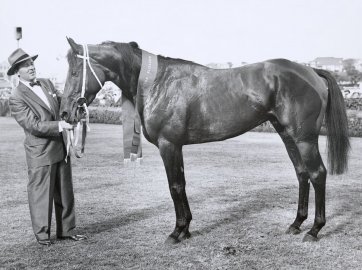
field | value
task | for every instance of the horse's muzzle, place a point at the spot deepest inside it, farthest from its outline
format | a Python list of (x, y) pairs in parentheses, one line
[(77, 112)]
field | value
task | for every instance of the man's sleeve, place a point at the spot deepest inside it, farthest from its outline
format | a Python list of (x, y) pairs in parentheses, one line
[(30, 122)]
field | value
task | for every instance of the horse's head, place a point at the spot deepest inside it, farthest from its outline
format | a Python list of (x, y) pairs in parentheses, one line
[(91, 66), (84, 80)]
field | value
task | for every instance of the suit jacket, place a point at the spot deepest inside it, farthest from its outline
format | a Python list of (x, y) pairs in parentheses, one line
[(43, 142)]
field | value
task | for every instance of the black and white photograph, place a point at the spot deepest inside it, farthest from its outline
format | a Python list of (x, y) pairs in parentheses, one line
[(192, 134)]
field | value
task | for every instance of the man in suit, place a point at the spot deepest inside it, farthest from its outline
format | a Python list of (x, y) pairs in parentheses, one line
[(35, 106)]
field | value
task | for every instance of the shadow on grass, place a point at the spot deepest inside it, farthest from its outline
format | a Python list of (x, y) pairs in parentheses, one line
[(336, 229), (252, 202), (125, 219), (344, 218)]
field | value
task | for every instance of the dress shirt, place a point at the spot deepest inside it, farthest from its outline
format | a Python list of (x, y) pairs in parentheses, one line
[(38, 91)]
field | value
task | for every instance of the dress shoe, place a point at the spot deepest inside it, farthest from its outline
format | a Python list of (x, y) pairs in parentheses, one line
[(75, 237), (45, 242)]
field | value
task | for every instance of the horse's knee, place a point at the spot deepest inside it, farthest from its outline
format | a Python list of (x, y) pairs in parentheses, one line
[(301, 170), (302, 175), (177, 189)]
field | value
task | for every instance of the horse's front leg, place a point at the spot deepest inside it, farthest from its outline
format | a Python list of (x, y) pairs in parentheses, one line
[(172, 158)]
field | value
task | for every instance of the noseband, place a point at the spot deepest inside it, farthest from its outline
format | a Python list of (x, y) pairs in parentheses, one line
[(73, 136)]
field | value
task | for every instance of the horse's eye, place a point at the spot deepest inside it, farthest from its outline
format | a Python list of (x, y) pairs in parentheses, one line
[(74, 73)]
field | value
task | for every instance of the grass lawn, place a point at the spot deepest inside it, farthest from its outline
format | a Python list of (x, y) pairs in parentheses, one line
[(242, 193)]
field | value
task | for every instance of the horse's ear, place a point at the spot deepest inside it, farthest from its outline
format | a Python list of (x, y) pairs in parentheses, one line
[(75, 47), (134, 45)]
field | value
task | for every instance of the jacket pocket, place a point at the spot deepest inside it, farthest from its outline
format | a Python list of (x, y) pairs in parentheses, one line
[(33, 140)]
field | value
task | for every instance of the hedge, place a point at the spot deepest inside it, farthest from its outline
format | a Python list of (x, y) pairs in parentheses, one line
[(4, 107), (353, 103), (354, 125), (106, 115), (113, 115)]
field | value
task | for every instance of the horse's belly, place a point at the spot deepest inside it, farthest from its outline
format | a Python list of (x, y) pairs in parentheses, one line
[(223, 121)]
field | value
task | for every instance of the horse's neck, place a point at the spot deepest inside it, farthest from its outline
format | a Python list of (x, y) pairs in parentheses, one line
[(125, 76)]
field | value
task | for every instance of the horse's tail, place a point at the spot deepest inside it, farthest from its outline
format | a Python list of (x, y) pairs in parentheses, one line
[(337, 126)]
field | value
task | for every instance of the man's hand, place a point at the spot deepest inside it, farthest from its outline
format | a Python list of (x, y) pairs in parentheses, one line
[(64, 125)]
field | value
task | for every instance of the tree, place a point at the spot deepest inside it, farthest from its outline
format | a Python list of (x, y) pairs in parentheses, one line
[(340, 76), (354, 75)]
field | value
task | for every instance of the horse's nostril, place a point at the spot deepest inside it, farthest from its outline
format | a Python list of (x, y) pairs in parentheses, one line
[(64, 115)]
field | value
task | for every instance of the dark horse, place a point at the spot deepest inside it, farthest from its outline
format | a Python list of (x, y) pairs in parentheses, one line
[(189, 103)]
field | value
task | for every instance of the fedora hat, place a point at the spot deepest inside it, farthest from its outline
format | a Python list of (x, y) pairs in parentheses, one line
[(16, 58)]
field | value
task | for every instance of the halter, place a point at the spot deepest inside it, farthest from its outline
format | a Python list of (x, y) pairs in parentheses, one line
[(73, 136), (86, 60)]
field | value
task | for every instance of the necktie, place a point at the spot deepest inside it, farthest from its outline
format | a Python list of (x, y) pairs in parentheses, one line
[(34, 83)]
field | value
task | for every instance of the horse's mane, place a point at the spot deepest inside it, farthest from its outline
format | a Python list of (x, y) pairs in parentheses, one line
[(127, 49)]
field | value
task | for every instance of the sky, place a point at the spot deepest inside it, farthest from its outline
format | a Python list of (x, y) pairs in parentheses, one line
[(204, 31)]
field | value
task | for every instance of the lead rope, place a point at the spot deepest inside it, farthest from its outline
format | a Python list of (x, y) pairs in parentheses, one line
[(73, 135)]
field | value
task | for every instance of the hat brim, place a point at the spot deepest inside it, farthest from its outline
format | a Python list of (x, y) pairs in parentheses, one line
[(11, 70)]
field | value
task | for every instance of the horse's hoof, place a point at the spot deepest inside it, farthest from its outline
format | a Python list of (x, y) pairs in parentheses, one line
[(310, 238), (293, 230), (184, 235), (171, 241)]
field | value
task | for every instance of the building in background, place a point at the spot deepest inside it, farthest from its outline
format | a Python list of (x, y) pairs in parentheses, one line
[(219, 65), (328, 63)]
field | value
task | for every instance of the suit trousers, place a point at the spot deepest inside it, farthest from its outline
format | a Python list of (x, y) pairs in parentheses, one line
[(47, 184)]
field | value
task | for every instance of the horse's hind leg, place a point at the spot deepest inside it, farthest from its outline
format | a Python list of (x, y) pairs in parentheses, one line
[(172, 158), (302, 175), (317, 172)]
